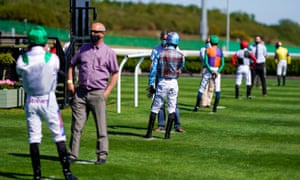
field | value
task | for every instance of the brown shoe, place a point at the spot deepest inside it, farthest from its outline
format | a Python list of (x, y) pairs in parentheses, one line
[(160, 129), (180, 130)]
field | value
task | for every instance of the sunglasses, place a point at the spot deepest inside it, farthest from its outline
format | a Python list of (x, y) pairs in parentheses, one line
[(96, 32)]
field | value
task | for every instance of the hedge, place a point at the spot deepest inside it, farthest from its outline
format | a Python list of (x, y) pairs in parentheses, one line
[(193, 65)]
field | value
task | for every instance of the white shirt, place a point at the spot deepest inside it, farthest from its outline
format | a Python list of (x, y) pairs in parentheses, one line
[(39, 77)]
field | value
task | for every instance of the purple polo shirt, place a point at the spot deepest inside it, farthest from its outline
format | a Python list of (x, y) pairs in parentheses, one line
[(95, 65)]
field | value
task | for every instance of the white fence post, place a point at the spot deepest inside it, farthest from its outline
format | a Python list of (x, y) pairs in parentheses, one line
[(126, 58), (119, 84), (136, 82)]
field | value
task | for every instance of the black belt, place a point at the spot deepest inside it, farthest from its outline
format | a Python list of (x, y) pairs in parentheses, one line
[(169, 79), (92, 89)]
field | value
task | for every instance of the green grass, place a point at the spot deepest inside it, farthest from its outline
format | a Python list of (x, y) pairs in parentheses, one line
[(249, 139)]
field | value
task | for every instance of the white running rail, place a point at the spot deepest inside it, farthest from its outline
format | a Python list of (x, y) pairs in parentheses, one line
[(141, 54)]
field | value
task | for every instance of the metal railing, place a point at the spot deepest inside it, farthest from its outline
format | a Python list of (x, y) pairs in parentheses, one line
[(141, 57)]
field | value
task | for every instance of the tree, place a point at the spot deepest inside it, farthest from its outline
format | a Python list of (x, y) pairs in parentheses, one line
[(6, 60)]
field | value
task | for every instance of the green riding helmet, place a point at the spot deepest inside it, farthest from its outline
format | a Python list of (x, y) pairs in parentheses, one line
[(37, 36), (214, 39)]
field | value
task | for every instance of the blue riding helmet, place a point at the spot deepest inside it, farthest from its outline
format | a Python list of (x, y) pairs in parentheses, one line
[(173, 38)]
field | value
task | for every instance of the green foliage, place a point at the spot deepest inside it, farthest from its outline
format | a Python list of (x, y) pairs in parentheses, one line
[(50, 13), (243, 26), (194, 66), (15, 85), (288, 26), (6, 59), (228, 68), (241, 17), (122, 17), (216, 22), (294, 67), (292, 70), (240, 35), (6, 86)]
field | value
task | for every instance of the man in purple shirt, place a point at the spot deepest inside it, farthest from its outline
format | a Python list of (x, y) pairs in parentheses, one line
[(96, 63)]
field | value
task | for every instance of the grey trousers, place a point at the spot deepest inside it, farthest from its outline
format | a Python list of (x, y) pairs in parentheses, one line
[(85, 101)]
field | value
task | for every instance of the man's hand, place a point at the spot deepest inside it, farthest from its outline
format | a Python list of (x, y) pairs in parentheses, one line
[(151, 91), (71, 87), (213, 76)]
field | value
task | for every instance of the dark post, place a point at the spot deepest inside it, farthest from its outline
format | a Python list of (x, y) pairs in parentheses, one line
[(79, 31)]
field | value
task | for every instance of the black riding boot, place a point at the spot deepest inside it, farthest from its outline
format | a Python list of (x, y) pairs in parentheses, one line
[(171, 118), (283, 80), (236, 91), (278, 80), (63, 158), (150, 125), (196, 108), (216, 103), (248, 92), (35, 160)]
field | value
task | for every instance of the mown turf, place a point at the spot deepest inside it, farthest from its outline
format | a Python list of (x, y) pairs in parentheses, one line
[(246, 139)]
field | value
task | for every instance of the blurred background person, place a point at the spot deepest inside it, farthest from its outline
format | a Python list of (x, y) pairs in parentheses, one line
[(260, 52), (166, 68), (282, 59), (242, 60), (209, 90), (214, 61), (162, 114)]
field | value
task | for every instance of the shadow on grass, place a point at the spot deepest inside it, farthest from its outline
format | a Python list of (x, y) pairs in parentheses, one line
[(43, 157), (21, 176), (185, 107), (14, 175), (52, 158), (126, 133), (126, 127)]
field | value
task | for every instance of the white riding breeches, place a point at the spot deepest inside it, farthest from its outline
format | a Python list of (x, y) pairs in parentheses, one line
[(43, 107), (206, 78), (243, 71), (166, 89), (281, 68)]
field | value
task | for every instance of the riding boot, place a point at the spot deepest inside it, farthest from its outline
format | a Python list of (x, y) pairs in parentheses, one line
[(199, 97), (150, 125), (196, 108), (278, 80), (171, 118), (248, 93), (216, 103), (283, 80), (236, 91), (35, 160), (63, 158)]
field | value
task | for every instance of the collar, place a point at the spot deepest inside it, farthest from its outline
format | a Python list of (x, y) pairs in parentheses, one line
[(98, 46)]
